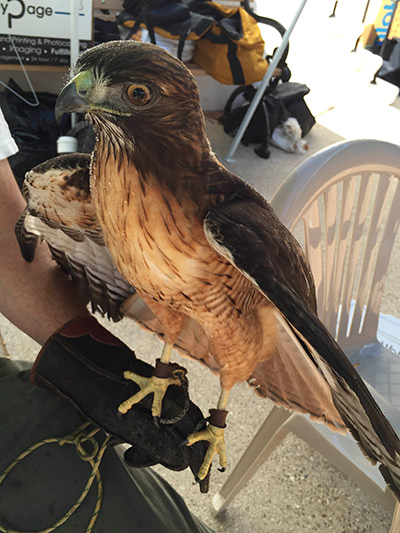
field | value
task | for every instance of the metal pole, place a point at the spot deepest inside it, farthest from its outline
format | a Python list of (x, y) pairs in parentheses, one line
[(362, 22), (260, 91), (333, 14), (74, 41)]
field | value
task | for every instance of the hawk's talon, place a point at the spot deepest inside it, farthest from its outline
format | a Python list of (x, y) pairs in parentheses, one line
[(215, 436), (223, 469), (154, 385), (156, 421)]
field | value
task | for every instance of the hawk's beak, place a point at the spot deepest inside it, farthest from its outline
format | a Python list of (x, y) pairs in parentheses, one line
[(73, 98)]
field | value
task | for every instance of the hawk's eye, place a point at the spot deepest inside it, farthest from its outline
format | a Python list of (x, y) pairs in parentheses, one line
[(139, 94)]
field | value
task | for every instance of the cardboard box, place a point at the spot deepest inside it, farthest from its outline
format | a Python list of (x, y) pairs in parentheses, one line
[(368, 36)]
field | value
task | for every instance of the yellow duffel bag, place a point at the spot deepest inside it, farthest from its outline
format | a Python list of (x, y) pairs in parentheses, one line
[(232, 50)]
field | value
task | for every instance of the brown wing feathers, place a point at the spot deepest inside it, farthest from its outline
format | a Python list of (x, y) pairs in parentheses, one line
[(236, 229), (59, 211)]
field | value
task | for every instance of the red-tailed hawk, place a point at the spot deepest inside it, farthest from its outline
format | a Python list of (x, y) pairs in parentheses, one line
[(216, 273)]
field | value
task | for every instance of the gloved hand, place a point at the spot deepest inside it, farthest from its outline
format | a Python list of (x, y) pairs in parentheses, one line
[(85, 363)]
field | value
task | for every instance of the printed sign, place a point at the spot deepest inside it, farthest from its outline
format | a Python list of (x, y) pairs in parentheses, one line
[(44, 18), (383, 20), (39, 31)]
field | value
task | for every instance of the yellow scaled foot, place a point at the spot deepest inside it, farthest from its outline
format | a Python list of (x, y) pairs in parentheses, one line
[(215, 436), (153, 385)]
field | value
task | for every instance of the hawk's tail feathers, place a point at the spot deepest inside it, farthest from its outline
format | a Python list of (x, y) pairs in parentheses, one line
[(291, 380)]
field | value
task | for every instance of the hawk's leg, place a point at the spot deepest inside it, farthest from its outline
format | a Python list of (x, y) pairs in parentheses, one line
[(214, 434), (165, 374)]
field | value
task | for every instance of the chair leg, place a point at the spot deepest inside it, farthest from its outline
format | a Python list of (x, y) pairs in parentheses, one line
[(396, 520), (334, 9), (270, 434)]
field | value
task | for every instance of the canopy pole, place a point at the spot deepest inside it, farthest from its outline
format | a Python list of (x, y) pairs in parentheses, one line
[(74, 41), (261, 89)]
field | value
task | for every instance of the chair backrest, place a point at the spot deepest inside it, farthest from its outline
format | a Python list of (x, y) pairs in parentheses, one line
[(347, 198)]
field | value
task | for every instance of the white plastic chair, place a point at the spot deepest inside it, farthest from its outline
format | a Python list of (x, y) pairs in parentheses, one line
[(346, 201)]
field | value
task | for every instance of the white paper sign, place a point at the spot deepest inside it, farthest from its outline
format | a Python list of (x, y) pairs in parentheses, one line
[(44, 18)]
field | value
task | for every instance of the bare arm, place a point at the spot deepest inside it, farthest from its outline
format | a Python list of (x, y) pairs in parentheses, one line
[(37, 297)]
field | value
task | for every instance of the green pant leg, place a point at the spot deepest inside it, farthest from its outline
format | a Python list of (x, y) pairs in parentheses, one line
[(47, 483)]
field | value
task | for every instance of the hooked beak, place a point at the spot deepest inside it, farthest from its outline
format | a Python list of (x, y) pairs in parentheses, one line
[(73, 98)]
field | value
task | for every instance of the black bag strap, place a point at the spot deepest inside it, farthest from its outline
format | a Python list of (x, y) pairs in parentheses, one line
[(150, 29), (140, 18), (248, 92), (234, 62), (182, 37)]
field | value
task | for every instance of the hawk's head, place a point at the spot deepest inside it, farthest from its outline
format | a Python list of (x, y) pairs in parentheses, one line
[(137, 92)]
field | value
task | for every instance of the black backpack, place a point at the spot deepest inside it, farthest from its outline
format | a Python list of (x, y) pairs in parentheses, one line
[(34, 128), (277, 104)]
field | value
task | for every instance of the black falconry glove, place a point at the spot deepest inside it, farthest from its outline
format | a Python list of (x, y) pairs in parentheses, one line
[(85, 363)]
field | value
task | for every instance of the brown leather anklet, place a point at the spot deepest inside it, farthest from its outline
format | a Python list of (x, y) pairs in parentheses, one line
[(164, 370), (218, 417)]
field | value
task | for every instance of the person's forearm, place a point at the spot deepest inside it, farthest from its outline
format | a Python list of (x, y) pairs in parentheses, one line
[(37, 297)]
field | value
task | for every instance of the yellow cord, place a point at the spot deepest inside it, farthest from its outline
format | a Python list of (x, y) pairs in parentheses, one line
[(77, 438)]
